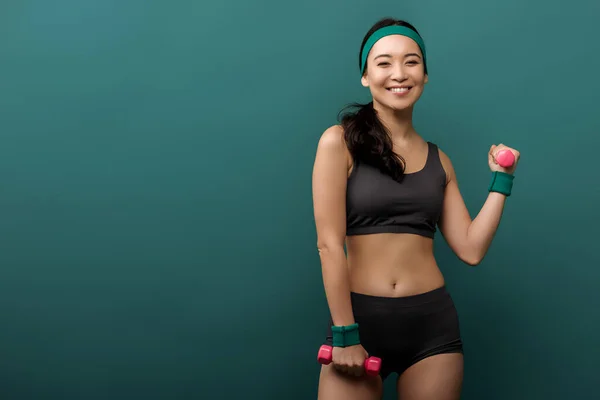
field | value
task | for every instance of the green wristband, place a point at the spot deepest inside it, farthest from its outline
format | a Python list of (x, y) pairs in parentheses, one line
[(501, 182), (344, 336)]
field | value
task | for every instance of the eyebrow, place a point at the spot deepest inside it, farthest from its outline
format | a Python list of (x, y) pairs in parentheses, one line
[(388, 55)]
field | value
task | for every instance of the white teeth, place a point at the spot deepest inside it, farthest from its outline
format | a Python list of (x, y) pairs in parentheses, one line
[(399, 90)]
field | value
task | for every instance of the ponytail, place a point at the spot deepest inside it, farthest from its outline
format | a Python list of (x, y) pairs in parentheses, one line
[(369, 141)]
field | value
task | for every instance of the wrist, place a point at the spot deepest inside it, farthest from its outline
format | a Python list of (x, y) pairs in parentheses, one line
[(501, 182), (345, 335)]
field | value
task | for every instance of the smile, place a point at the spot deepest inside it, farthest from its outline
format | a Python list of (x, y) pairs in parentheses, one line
[(399, 90)]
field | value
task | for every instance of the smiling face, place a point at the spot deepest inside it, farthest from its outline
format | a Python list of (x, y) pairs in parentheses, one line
[(395, 72)]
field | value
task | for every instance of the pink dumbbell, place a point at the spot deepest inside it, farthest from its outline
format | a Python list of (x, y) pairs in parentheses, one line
[(505, 158), (372, 364)]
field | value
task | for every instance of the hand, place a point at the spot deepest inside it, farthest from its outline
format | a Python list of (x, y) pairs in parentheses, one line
[(350, 360), (494, 150)]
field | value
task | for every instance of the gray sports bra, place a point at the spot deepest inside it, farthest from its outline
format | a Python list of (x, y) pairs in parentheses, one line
[(376, 203)]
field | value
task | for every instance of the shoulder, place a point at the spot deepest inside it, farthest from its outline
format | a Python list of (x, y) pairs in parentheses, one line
[(446, 164), (333, 138), (332, 143)]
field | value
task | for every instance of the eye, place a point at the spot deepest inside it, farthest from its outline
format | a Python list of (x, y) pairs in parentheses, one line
[(383, 63), (413, 62)]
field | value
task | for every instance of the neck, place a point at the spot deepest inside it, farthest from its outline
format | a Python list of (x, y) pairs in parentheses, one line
[(398, 122)]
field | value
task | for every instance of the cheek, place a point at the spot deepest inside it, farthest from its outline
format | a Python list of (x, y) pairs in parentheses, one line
[(379, 83), (377, 78)]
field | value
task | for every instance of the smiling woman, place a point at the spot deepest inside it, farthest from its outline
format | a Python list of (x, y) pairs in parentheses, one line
[(399, 56), (382, 190), (387, 48)]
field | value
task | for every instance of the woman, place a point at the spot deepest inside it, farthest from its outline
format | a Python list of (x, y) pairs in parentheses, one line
[(381, 190)]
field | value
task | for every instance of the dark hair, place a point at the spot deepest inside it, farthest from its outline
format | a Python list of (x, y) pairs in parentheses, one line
[(366, 137)]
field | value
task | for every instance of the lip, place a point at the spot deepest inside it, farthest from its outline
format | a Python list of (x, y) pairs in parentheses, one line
[(389, 89)]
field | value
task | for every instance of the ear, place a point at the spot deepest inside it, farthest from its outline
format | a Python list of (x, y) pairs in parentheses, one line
[(364, 80), (426, 78)]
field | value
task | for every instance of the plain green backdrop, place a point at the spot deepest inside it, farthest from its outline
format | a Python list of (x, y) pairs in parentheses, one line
[(156, 234)]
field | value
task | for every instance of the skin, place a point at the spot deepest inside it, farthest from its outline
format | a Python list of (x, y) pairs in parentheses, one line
[(392, 264)]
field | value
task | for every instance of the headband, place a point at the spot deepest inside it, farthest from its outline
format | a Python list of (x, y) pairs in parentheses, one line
[(386, 31)]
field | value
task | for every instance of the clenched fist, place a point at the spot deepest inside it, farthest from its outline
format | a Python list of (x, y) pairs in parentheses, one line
[(494, 166)]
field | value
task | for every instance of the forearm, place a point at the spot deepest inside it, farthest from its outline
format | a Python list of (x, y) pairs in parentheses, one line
[(483, 228), (337, 285)]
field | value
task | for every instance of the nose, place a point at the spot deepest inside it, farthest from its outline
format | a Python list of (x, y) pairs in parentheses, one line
[(398, 72)]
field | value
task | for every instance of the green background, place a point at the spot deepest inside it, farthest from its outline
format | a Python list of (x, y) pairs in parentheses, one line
[(156, 231)]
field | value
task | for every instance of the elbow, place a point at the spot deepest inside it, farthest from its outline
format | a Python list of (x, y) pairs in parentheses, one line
[(469, 253), (326, 247), (472, 260)]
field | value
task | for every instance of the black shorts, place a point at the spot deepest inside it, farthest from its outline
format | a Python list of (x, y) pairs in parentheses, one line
[(404, 330)]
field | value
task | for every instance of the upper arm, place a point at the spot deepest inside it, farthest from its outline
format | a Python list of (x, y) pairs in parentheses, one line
[(329, 180), (455, 218)]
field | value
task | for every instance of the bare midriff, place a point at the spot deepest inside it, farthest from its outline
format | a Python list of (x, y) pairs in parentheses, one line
[(392, 264)]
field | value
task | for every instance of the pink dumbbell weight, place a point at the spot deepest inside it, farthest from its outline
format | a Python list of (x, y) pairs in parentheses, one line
[(372, 364), (505, 158)]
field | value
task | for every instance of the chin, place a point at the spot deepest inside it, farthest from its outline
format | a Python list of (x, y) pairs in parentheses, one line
[(400, 105)]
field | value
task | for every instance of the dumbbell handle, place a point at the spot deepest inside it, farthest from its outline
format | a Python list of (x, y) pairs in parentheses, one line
[(505, 158), (372, 364)]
